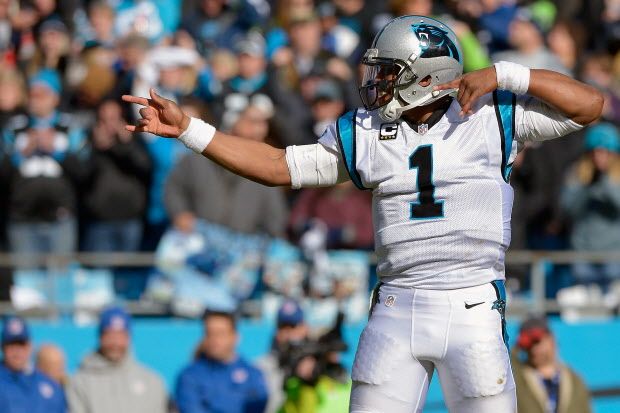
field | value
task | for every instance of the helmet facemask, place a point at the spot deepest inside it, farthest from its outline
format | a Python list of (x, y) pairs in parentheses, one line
[(381, 81), (384, 83)]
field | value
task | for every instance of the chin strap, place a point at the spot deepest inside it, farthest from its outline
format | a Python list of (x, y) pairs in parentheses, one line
[(393, 110)]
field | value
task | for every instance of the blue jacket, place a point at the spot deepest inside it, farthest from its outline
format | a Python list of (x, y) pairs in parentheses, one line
[(208, 386), (31, 392)]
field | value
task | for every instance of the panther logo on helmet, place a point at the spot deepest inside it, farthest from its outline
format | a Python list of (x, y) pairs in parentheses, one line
[(434, 41)]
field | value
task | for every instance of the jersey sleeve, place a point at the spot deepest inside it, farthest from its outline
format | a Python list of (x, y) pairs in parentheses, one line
[(319, 164), (536, 121)]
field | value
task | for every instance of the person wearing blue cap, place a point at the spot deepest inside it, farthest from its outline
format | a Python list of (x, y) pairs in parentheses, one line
[(291, 333), (22, 388), (42, 146), (591, 198), (219, 380), (110, 379)]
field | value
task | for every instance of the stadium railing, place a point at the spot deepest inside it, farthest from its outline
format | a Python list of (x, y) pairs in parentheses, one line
[(536, 302)]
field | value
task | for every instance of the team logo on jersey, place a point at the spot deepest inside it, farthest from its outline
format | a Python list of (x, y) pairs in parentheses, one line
[(388, 131), (390, 300), (46, 390), (239, 375)]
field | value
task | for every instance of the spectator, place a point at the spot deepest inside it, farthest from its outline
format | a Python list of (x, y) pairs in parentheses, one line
[(199, 189), (327, 105), (319, 383), (598, 71), (100, 27), (53, 48), (291, 334), (306, 54), (45, 156), (50, 360), (219, 380), (216, 24), (116, 173), (95, 80), (12, 104), (565, 40), (338, 38), (591, 198), (350, 229), (544, 383), (7, 38), (252, 77), (110, 380), (12, 95), (132, 53), (362, 16), (529, 43), (23, 389)]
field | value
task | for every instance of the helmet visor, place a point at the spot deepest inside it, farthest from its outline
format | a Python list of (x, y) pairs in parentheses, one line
[(377, 88)]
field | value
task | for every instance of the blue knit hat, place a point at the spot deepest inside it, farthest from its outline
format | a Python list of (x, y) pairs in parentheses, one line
[(114, 318), (603, 136), (14, 329), (48, 78), (290, 313)]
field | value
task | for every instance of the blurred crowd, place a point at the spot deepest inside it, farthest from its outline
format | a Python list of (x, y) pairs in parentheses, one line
[(277, 71), (301, 373)]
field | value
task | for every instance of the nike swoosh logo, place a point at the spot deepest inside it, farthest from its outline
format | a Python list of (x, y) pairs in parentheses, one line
[(468, 306)]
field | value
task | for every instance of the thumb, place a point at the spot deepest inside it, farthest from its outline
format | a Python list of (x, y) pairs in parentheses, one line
[(159, 101)]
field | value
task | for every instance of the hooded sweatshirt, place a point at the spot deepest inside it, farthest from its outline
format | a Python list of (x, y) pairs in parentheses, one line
[(100, 386)]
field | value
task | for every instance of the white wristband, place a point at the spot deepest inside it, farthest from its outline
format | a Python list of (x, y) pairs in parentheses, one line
[(513, 77), (198, 135)]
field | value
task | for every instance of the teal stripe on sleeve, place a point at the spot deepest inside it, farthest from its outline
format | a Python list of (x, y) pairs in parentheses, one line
[(345, 131), (505, 103)]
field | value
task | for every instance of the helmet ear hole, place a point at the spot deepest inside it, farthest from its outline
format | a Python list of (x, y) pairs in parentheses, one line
[(426, 81)]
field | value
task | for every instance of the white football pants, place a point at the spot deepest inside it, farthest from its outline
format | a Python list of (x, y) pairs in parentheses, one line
[(412, 332)]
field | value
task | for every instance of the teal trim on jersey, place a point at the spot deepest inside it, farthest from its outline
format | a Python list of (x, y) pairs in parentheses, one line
[(500, 306), (505, 103), (345, 131)]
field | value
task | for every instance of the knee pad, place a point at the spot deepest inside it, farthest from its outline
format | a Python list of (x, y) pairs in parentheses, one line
[(481, 368), (376, 356)]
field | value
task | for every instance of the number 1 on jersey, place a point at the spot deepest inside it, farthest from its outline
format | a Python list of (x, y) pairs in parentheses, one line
[(426, 207)]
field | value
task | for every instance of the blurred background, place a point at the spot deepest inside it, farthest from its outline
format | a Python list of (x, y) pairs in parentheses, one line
[(93, 217)]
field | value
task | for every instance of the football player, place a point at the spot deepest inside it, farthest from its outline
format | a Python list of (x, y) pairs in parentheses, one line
[(435, 147)]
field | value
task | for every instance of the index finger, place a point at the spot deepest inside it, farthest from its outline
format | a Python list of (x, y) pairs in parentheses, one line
[(453, 84), (135, 99)]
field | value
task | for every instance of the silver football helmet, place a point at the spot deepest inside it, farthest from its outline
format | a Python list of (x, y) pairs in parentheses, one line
[(408, 51)]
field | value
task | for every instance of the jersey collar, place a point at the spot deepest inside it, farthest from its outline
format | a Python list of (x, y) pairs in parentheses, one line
[(432, 120)]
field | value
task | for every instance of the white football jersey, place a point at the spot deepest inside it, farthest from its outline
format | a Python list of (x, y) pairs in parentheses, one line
[(441, 199)]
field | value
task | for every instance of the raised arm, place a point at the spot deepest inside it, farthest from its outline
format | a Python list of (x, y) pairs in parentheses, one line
[(578, 101), (253, 160)]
